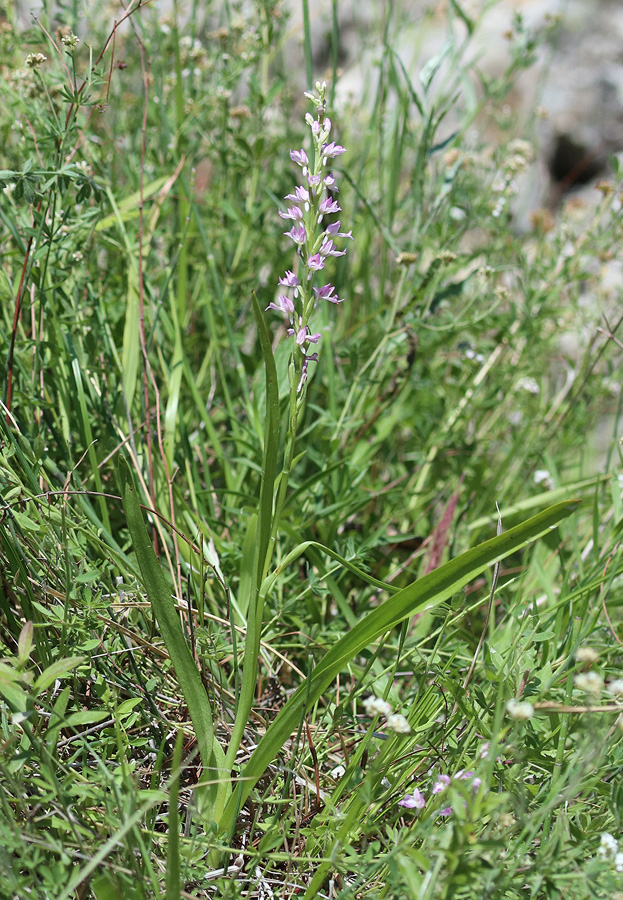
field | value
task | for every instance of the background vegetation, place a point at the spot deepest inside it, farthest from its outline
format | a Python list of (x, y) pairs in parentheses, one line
[(143, 167)]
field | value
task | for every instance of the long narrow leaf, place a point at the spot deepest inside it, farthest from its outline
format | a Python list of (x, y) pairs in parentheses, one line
[(424, 594), (252, 603), (159, 596), (271, 441)]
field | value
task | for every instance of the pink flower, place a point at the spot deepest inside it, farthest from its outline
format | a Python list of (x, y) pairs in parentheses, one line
[(302, 334), (329, 249), (328, 206), (300, 195), (290, 279), (327, 293), (315, 263), (297, 234), (330, 151), (293, 213), (284, 305), (441, 784), (299, 157), (416, 800), (334, 231)]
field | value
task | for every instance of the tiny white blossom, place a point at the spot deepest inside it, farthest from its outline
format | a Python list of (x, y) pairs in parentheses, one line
[(34, 60), (520, 710), (528, 384), (542, 476), (608, 846), (374, 706), (397, 724), (591, 682), (587, 655), (616, 687), (70, 40)]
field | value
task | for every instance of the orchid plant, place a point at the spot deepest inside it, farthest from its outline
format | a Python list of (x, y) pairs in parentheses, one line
[(314, 241), (226, 784)]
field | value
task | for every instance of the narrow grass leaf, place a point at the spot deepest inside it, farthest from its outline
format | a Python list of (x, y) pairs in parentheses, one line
[(159, 596)]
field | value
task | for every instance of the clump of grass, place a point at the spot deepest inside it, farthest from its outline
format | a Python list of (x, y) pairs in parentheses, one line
[(263, 627)]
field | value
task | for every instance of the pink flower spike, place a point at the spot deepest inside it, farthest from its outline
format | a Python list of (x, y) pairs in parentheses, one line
[(299, 157), (297, 234), (334, 231), (329, 182), (314, 338), (293, 213), (313, 180), (328, 206), (289, 279), (446, 811)]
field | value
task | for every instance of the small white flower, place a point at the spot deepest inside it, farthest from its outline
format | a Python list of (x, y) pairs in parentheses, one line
[(587, 655), (70, 40), (590, 682), (608, 846), (519, 147), (528, 384), (397, 724), (34, 60), (374, 706), (520, 710), (616, 687), (542, 476)]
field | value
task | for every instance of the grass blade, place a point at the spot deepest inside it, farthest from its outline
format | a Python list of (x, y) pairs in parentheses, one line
[(166, 615)]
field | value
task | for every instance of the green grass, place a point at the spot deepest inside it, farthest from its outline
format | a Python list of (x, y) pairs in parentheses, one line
[(207, 568)]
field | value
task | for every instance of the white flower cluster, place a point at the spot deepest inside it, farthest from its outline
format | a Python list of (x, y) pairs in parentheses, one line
[(375, 706), (34, 60), (589, 682), (70, 40), (609, 850), (520, 710)]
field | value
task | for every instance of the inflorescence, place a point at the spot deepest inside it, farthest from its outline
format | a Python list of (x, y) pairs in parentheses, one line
[(314, 240)]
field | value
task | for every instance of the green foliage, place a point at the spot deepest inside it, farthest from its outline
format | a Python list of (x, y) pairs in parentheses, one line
[(202, 574)]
